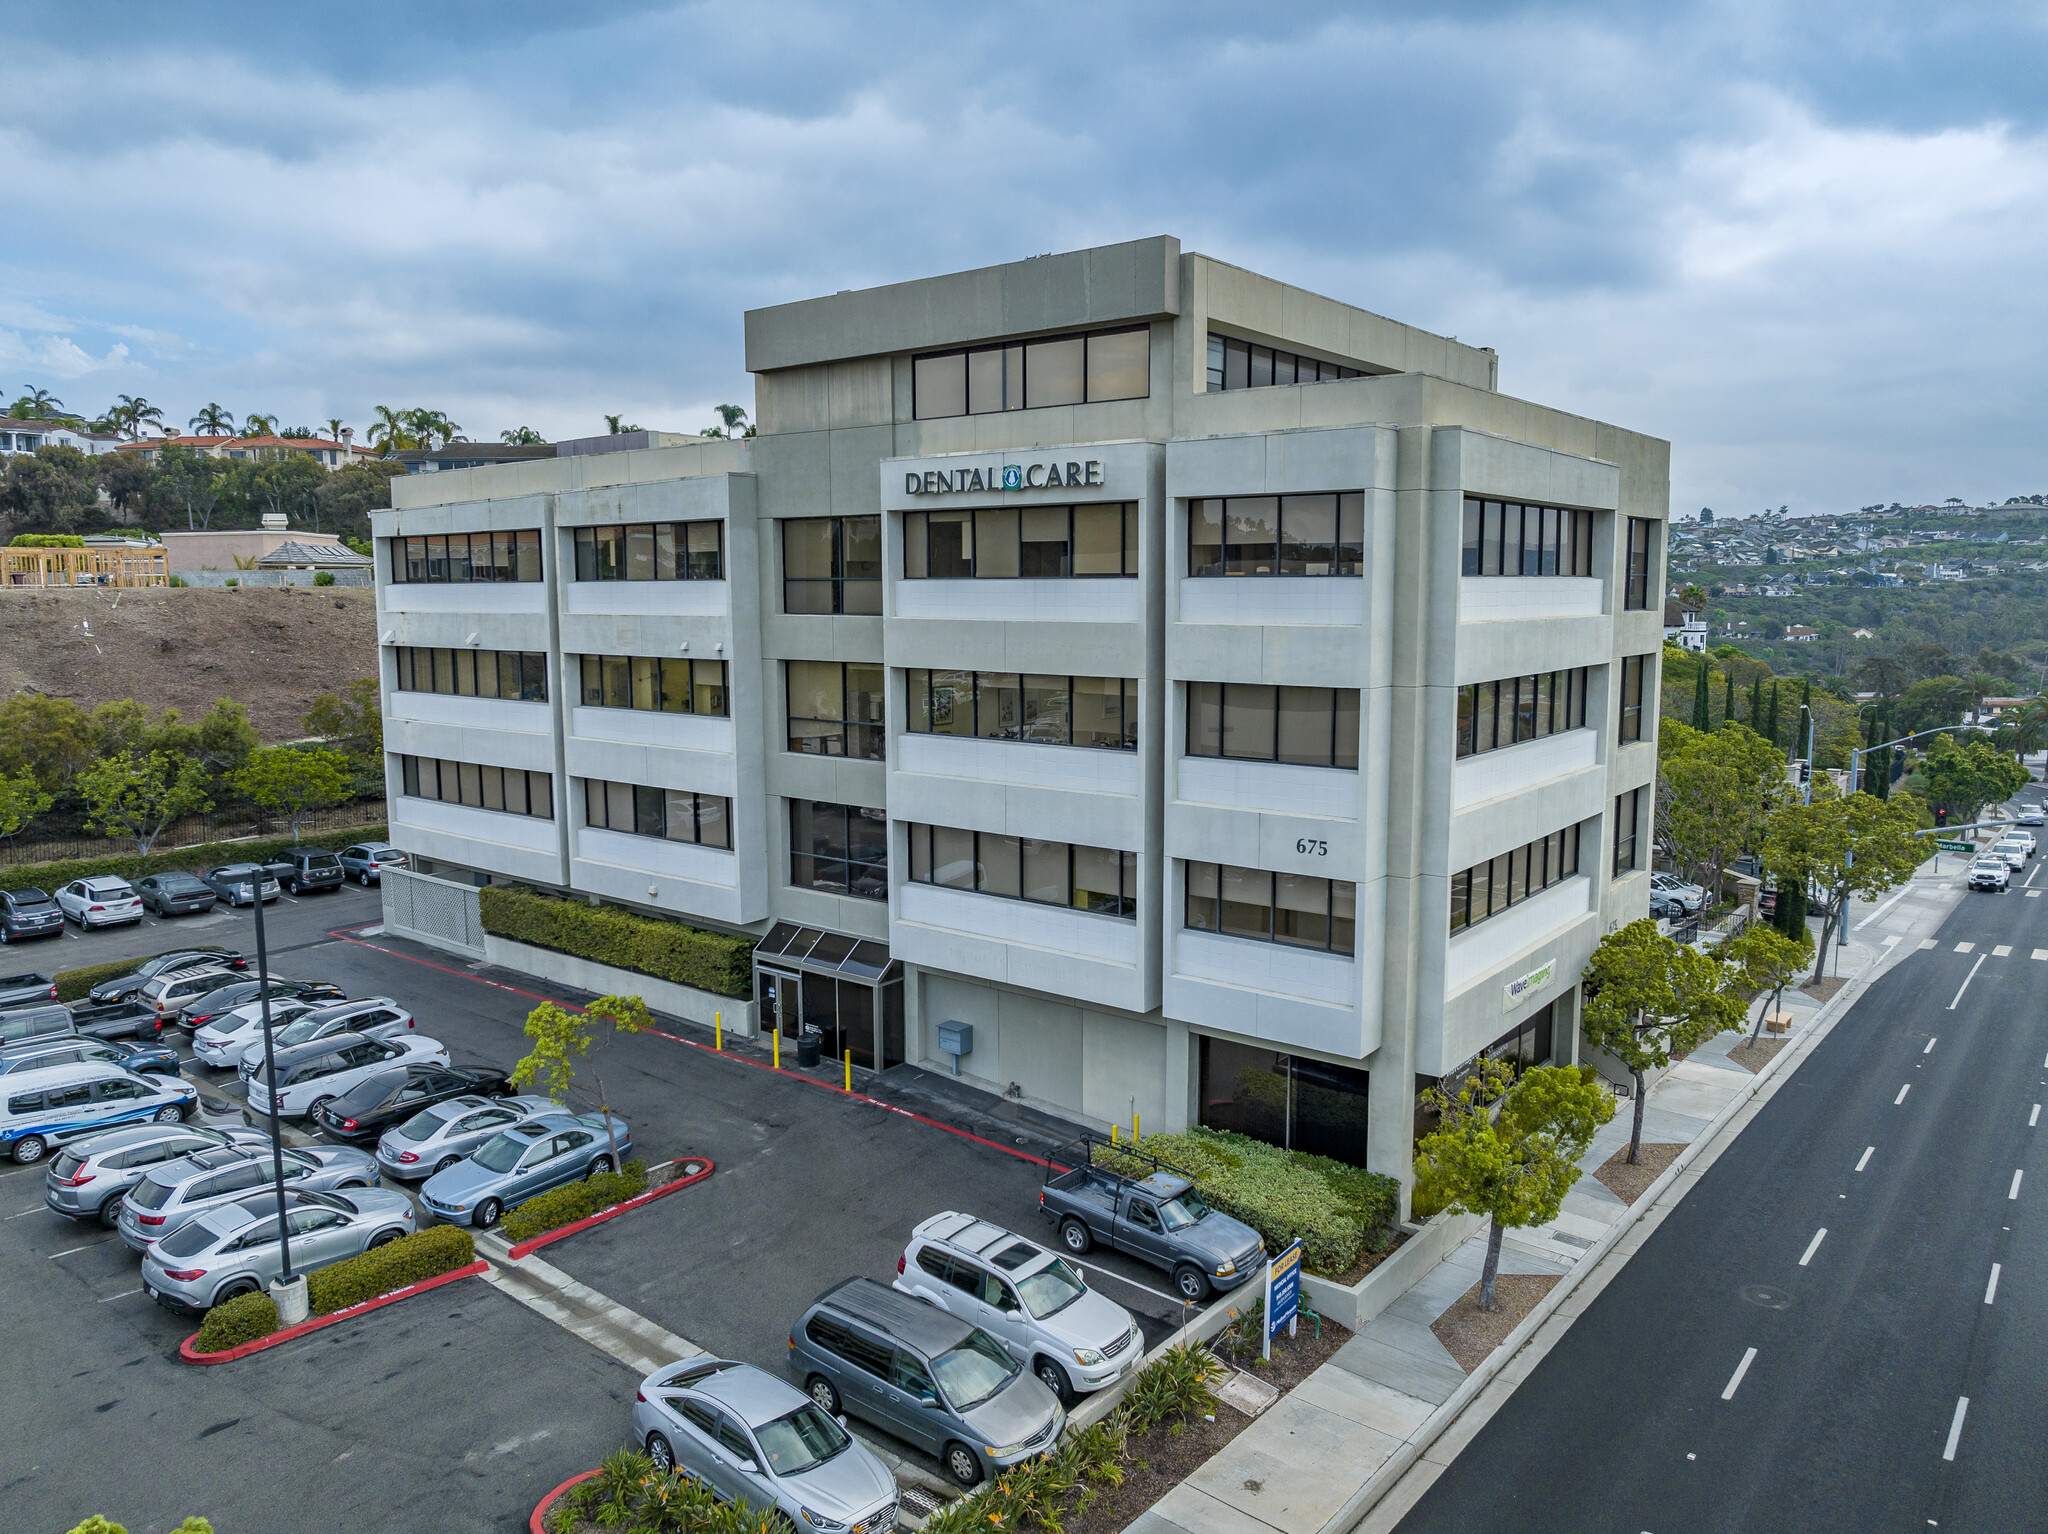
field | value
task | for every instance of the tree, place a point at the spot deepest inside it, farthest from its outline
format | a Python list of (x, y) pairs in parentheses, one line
[(734, 423), (334, 424), (126, 478), (1771, 715), (36, 405), (22, 798), (1964, 776), (137, 796), (1756, 702), (1837, 846), (562, 1038), (1691, 598), (1702, 707), (48, 738), (190, 479), (1766, 959), (522, 436), (51, 490), (1714, 792), (213, 421), (431, 428), (390, 432), (294, 783), (1932, 703), (98, 1525), (258, 424), (133, 413), (1649, 998), (1728, 703), (125, 727), (353, 721), (1509, 1148), (224, 736), (287, 486), (345, 498), (1882, 675), (612, 424)]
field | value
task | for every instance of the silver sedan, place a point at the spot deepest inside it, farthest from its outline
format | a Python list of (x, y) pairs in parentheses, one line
[(234, 1249), (435, 1138)]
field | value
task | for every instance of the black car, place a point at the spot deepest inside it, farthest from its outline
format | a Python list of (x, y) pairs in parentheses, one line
[(201, 1010), (184, 958), (372, 1106), (306, 868), (175, 894), (28, 913)]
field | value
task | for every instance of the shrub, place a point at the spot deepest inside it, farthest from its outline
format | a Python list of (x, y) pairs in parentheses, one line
[(231, 581), (47, 541), (706, 961), (73, 983), (424, 1254), (574, 1201), (1176, 1384), (323, 578), (52, 876), (234, 1322)]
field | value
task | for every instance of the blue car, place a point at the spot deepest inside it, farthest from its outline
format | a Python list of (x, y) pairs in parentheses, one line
[(526, 1159)]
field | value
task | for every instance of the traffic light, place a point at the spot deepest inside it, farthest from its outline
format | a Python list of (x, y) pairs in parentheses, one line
[(1805, 772), (1940, 816)]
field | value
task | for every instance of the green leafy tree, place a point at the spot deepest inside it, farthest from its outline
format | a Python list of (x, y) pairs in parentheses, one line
[(51, 490), (1932, 703), (48, 738), (344, 499), (22, 798), (212, 421), (99, 1525), (259, 424), (223, 738), (561, 1041), (294, 783), (334, 424), (616, 425), (1965, 775), (352, 720), (1836, 847), (1509, 1148), (522, 436), (1649, 998), (1728, 698), (132, 413), (125, 727), (137, 796), (37, 405), (1702, 706), (390, 432), (190, 480), (1714, 792), (431, 428), (126, 478), (1766, 961), (288, 487)]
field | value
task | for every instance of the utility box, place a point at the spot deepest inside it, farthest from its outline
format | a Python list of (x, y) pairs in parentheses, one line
[(956, 1039)]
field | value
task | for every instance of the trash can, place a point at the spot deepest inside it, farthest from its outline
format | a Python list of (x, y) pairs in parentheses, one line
[(810, 1047)]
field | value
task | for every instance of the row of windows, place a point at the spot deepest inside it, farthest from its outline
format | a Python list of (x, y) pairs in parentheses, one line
[(1032, 542), (443, 557), (652, 551), (481, 787), (1508, 538), (673, 814), (473, 673), (665, 684), (832, 565), (1099, 879), (1255, 722), (842, 849), (1029, 375), (1493, 886), (1277, 535), (1506, 713), (1098, 711), (836, 709), (1295, 909), (1235, 364)]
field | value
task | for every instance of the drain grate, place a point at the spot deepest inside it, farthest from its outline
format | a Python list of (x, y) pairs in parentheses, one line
[(915, 1499)]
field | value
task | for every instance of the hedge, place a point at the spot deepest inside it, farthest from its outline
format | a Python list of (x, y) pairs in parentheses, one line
[(50, 876), (574, 1201), (47, 541), (424, 1254), (73, 983), (234, 1322), (667, 950)]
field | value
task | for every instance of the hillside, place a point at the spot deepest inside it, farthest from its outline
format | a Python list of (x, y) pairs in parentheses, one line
[(269, 648)]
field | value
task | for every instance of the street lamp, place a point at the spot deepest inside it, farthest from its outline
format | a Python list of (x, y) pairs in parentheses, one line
[(289, 1288)]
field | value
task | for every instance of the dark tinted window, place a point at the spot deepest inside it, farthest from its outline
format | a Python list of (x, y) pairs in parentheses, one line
[(854, 1346)]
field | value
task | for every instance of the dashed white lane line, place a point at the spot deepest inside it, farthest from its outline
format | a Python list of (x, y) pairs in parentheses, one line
[(2014, 1190), (1991, 1289), (2001, 951), (1927, 943), (1930, 1046), (1966, 948), (1902, 1094), (1972, 975), (2041, 953), (1955, 1428), (1863, 1160), (2033, 894), (2034, 1117), (1814, 1245), (1735, 1379)]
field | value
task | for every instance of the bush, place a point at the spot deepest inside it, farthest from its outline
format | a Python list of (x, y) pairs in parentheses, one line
[(234, 1322), (323, 578), (73, 983), (718, 962), (425, 1254), (47, 541), (50, 876), (574, 1201), (1179, 1383)]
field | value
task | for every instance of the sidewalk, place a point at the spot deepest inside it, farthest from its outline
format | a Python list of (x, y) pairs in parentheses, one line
[(1309, 1457)]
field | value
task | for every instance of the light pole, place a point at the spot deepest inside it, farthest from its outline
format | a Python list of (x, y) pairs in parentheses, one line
[(286, 1277)]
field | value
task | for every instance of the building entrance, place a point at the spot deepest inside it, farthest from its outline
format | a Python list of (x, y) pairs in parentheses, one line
[(847, 988)]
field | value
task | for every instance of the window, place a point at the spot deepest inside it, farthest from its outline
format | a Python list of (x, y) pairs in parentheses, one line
[(1278, 535), (1527, 1044), (517, 674), (1099, 879), (1098, 711), (673, 814), (1509, 538), (1029, 375), (1028, 542), (1295, 1103), (835, 708), (1636, 575), (651, 551), (1294, 909), (1489, 888), (1253, 722), (1235, 364), (505, 556), (1633, 670), (668, 683), (842, 849), (481, 787), (1506, 713), (832, 565), (1628, 810)]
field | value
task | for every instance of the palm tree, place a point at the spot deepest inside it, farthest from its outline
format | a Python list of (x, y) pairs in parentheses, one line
[(430, 428), (36, 405), (1981, 683), (735, 419), (135, 413), (213, 421), (391, 431), (257, 424), (334, 423), (522, 436), (615, 425)]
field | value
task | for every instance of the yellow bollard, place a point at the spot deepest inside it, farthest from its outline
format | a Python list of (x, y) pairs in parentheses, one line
[(718, 1030), (849, 1073), (776, 1035), (1112, 1134), (1135, 1135)]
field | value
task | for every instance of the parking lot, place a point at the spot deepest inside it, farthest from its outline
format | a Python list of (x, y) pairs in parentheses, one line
[(460, 1408)]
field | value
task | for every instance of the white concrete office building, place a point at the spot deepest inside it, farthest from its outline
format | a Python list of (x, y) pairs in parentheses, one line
[(1222, 699)]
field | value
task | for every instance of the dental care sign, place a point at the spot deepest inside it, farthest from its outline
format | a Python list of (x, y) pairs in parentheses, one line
[(1053, 474)]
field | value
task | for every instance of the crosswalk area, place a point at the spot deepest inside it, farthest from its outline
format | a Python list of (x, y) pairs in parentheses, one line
[(1997, 951)]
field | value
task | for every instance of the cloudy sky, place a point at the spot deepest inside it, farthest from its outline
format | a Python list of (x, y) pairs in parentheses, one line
[(1804, 242)]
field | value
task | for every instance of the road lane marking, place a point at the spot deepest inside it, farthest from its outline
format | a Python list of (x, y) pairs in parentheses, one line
[(1930, 1046), (1873, 916), (1735, 1379), (1991, 1289), (2034, 894), (32, 1209), (1972, 975), (1927, 943), (1089, 1267), (1966, 947), (1955, 1428), (73, 1250), (2014, 1190), (2034, 1117), (1814, 1245), (1863, 1160), (1902, 1094), (121, 1296), (2001, 951), (2030, 877)]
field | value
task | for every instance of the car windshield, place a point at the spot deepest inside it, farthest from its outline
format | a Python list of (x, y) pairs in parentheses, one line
[(1051, 1289), (299, 1031), (188, 1242), (391, 857), (500, 1153), (805, 1438), (150, 1194), (324, 860), (67, 1163), (365, 1095), (1183, 1211), (973, 1371), (427, 1122), (30, 897)]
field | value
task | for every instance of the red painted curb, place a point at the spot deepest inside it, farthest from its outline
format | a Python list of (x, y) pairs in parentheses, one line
[(535, 1243), (361, 1307), (533, 1524)]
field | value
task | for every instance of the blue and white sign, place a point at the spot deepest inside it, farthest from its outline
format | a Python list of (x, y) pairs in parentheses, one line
[(1283, 1292)]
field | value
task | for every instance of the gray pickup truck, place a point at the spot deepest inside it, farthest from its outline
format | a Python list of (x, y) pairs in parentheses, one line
[(129, 1019), (26, 990), (1160, 1218)]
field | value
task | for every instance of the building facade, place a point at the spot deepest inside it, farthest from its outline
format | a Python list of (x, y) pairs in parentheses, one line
[(1220, 699)]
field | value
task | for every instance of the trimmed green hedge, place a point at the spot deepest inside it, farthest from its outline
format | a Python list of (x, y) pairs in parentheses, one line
[(425, 1254), (234, 1322), (574, 1201), (73, 983), (50, 876), (667, 950)]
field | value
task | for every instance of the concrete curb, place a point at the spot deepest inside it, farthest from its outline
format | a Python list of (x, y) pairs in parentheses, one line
[(1104, 1401), (534, 1524), (705, 1167), (360, 1308)]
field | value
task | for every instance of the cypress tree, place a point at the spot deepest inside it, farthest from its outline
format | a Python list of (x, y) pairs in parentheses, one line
[(1771, 714), (1789, 914), (1728, 702), (1756, 702), (1702, 708)]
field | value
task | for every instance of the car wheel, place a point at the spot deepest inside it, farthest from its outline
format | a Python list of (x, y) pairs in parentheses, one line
[(318, 1104), (110, 1212), (662, 1452), (824, 1393), (235, 1291), (29, 1149), (597, 1166), (443, 1164), (353, 1182), (487, 1213), (1054, 1378), (384, 1238), (169, 1113), (1192, 1283), (1075, 1234), (963, 1465)]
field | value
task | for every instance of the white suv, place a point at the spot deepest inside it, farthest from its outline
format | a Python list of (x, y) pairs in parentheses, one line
[(1989, 873), (100, 902), (1028, 1299)]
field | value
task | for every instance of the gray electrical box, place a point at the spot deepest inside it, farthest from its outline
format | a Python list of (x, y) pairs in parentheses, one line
[(956, 1039)]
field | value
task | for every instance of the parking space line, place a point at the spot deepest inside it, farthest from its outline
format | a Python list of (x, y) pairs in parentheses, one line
[(121, 1296), (1955, 1428), (32, 1209), (1735, 1379), (1089, 1267), (73, 1250)]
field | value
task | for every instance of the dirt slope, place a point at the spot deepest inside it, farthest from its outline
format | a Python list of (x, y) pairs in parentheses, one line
[(270, 648)]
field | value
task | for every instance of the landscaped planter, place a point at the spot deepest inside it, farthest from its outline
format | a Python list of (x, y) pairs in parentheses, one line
[(692, 1169), (1352, 1305), (349, 1313)]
